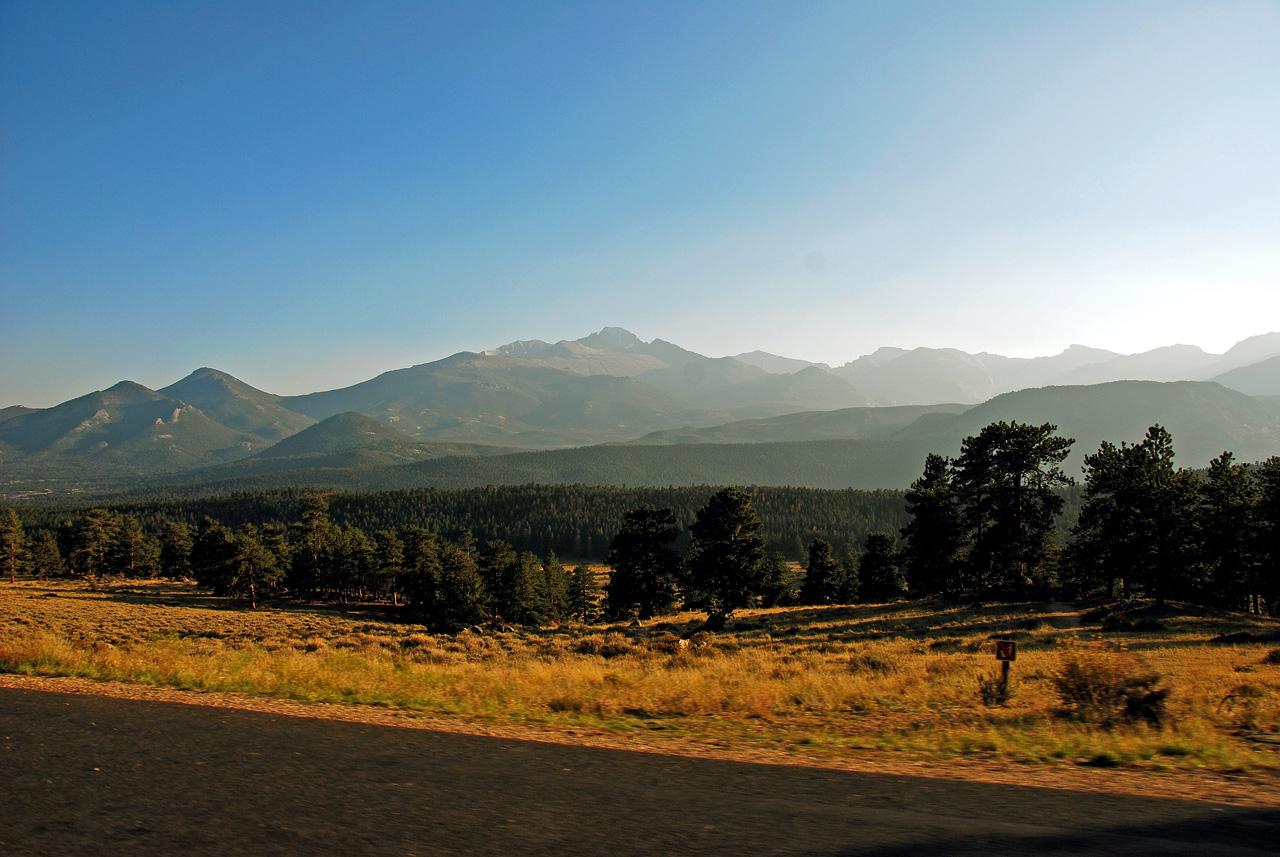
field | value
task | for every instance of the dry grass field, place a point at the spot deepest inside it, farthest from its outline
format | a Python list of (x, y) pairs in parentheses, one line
[(818, 683)]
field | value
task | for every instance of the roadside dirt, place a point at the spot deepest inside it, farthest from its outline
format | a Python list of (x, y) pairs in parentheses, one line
[(1257, 789)]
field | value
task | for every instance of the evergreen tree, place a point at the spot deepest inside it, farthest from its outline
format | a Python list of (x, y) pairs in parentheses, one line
[(92, 539), (462, 597), (527, 602), (44, 558), (311, 541), (1005, 479), (498, 569), (726, 552), (422, 571), (11, 542), (132, 554), (1267, 534), (274, 537), (779, 586), (823, 581), (210, 551), (880, 578), (643, 563), (1137, 524), (556, 586), (1227, 504), (584, 594), (175, 551), (389, 562), (348, 562), (850, 577), (934, 552), (249, 568)]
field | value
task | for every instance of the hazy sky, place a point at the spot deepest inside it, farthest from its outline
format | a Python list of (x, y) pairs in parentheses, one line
[(306, 194)]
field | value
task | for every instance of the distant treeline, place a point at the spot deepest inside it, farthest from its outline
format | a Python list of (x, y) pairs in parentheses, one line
[(826, 464), (576, 521)]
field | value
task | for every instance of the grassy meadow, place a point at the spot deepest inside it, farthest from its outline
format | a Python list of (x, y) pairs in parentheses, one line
[(818, 682)]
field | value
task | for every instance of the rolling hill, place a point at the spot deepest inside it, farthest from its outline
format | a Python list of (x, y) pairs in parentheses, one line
[(233, 403), (1258, 379), (122, 432)]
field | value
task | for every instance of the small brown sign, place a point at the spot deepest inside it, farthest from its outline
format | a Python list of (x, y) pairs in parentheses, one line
[(1006, 650)]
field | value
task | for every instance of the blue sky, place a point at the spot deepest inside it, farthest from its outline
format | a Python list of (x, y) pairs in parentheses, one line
[(307, 194)]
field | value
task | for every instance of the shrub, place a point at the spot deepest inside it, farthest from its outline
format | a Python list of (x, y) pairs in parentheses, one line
[(993, 690), (1117, 620), (668, 644), (611, 645), (1103, 688), (872, 662)]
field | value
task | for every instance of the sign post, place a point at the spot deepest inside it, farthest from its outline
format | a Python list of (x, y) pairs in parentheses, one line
[(1006, 653)]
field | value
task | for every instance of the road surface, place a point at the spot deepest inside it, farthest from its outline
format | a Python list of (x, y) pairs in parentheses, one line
[(86, 775)]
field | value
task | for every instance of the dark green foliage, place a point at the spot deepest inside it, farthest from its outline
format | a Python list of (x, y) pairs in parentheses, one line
[(422, 571), (310, 543), (175, 551), (211, 551), (1267, 534), (555, 588), (1227, 533), (132, 553), (575, 521), (1005, 480), (348, 564), (934, 552), (723, 566), (250, 568), (879, 577), (779, 586), (584, 594), (462, 600), (1137, 527), (44, 558), (850, 577), (388, 565), (527, 601), (823, 581), (645, 566), (12, 537), (92, 540), (497, 566)]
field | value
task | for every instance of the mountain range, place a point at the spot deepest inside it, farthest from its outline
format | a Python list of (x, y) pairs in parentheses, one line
[(612, 407)]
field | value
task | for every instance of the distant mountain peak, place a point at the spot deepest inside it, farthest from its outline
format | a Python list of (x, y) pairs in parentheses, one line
[(613, 339), (520, 348)]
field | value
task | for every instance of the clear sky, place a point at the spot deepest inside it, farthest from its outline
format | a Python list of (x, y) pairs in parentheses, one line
[(306, 194)]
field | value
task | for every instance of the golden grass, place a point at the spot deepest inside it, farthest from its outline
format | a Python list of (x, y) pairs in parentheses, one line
[(814, 681)]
